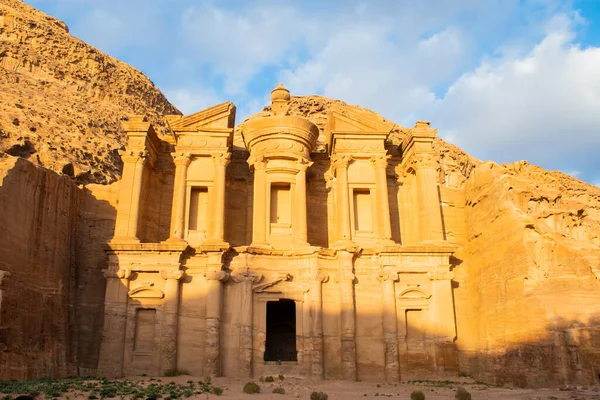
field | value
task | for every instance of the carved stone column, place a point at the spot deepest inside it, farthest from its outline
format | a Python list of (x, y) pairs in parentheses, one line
[(316, 314), (390, 324), (182, 161), (348, 321), (246, 279), (214, 300), (383, 204), (130, 196), (300, 229), (340, 164), (3, 276), (112, 346), (168, 343), (259, 224), (442, 304), (217, 218), (430, 216)]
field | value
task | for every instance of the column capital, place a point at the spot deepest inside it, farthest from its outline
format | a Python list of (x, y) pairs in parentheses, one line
[(171, 274), (424, 160), (216, 276), (319, 278), (118, 274), (380, 160), (3, 276), (303, 164), (258, 162), (388, 274), (221, 158), (133, 156), (182, 158), (340, 160), (246, 277)]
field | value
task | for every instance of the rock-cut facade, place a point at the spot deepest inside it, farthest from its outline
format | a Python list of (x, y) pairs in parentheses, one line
[(279, 248)]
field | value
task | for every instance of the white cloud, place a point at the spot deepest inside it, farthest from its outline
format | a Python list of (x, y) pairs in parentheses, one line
[(543, 107), (190, 101)]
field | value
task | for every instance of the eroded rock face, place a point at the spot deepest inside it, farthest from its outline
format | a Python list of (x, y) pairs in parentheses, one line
[(63, 100)]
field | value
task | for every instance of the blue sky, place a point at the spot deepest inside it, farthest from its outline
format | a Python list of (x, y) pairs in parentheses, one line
[(505, 80)]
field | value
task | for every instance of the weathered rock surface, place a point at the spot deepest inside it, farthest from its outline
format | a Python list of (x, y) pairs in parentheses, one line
[(63, 100)]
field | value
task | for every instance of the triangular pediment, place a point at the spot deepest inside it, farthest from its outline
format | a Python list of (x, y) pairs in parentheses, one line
[(341, 119), (221, 116)]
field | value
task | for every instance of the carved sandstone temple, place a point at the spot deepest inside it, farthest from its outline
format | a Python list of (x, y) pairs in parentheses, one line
[(254, 254)]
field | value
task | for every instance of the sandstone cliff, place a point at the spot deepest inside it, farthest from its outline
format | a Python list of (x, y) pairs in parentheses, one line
[(63, 100)]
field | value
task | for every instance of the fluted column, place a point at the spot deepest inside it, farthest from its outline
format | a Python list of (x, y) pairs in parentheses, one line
[(259, 224), (383, 203), (168, 343), (316, 314), (340, 164), (217, 215), (347, 316), (214, 300), (130, 196), (182, 161), (246, 279), (112, 346), (430, 216), (300, 228), (390, 324)]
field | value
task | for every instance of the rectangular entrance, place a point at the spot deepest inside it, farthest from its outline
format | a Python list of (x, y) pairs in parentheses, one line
[(281, 331)]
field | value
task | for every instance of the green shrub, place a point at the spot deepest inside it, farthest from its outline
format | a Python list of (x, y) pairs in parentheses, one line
[(251, 388), (269, 379), (279, 390), (318, 396), (462, 394), (417, 395), (217, 390), (175, 372), (281, 377)]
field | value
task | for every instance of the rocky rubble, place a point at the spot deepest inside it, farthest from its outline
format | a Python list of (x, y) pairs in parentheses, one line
[(63, 100)]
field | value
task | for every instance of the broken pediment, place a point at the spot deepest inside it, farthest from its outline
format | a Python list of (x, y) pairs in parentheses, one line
[(221, 116)]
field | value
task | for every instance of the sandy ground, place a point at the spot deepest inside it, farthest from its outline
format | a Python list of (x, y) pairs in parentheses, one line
[(341, 390)]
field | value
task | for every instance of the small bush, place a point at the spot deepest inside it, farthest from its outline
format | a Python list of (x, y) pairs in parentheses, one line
[(462, 394), (417, 395), (269, 379), (281, 377), (251, 388), (318, 396), (175, 372), (279, 390), (217, 390)]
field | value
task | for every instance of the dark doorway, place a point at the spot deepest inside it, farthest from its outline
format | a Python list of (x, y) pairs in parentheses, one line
[(281, 331)]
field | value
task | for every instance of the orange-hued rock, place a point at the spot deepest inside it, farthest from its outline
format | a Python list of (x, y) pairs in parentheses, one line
[(401, 256), (63, 100)]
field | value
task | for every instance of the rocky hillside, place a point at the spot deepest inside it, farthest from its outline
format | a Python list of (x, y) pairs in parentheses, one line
[(63, 100)]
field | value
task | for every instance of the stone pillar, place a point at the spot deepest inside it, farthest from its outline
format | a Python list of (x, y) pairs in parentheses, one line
[(430, 216), (300, 229), (217, 214), (182, 161), (246, 279), (316, 328), (340, 164), (214, 300), (347, 316), (112, 347), (383, 203), (443, 324), (3, 276), (168, 343), (130, 196), (390, 324), (259, 224)]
